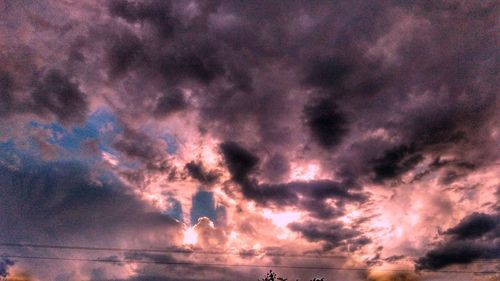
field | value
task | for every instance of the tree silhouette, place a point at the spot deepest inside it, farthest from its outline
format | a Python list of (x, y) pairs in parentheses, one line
[(271, 276)]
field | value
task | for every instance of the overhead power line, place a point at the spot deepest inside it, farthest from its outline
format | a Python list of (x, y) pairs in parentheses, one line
[(193, 251), (168, 250), (183, 263)]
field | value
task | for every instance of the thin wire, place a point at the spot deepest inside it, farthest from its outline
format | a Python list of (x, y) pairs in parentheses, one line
[(487, 261), (166, 250), (177, 263), (238, 265), (190, 251)]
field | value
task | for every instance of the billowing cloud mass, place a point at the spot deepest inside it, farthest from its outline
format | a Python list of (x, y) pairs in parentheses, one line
[(477, 236), (214, 140)]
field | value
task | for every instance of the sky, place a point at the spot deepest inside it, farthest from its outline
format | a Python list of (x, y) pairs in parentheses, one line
[(217, 140)]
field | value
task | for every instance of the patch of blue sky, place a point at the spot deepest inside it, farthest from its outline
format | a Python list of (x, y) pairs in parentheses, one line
[(172, 143), (203, 205), (101, 125), (13, 155)]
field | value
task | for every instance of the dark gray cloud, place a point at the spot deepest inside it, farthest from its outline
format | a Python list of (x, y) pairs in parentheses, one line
[(264, 194), (6, 95), (199, 64), (62, 200), (314, 189), (328, 72), (67, 203), (184, 270), (150, 257), (170, 102), (276, 168), (239, 161), (382, 88), (155, 12), (355, 81), (334, 234), (326, 123), (454, 170), (320, 209), (395, 258), (309, 195), (123, 53), (137, 145), (395, 162), (475, 237), (244, 75), (458, 252), (55, 94), (198, 172), (474, 226)]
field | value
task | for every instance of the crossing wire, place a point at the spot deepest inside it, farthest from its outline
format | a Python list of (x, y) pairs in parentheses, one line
[(189, 251), (167, 250), (195, 264)]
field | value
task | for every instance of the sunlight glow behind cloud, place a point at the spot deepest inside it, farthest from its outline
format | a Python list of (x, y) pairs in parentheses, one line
[(190, 236)]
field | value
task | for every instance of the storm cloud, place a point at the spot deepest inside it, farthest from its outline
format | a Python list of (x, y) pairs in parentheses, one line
[(333, 127), (477, 236), (327, 124), (43, 198)]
